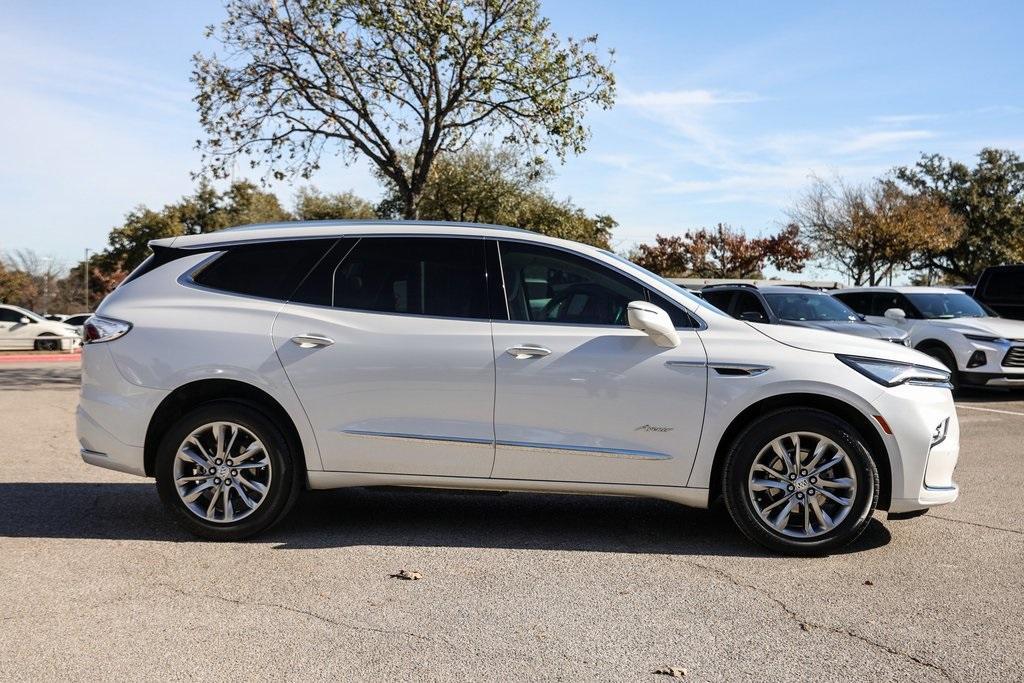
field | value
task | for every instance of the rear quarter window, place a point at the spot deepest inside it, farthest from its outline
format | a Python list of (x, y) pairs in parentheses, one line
[(271, 270)]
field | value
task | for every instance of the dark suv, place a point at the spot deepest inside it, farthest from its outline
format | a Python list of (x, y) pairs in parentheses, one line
[(1001, 288), (799, 306)]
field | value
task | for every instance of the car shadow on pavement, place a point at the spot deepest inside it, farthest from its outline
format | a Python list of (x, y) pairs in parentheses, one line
[(53, 376), (402, 517), (992, 395)]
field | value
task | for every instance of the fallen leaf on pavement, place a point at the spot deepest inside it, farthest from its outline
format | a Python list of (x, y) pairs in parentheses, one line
[(673, 671), (407, 575)]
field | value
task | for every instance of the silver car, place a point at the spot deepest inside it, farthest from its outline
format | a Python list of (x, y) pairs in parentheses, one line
[(799, 306)]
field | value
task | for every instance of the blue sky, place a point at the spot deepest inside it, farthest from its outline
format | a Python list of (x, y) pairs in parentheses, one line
[(724, 109)]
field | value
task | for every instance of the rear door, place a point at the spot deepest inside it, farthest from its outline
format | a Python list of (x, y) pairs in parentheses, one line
[(388, 345)]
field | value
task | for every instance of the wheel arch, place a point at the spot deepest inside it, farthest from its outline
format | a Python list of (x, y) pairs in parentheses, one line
[(192, 395), (933, 343), (861, 422)]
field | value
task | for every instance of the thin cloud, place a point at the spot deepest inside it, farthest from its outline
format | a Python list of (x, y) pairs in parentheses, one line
[(883, 140), (684, 99)]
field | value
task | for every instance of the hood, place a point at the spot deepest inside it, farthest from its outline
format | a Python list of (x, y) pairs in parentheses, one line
[(826, 341), (857, 327), (992, 327)]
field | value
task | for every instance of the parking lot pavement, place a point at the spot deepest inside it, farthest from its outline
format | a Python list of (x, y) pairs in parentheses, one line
[(97, 582)]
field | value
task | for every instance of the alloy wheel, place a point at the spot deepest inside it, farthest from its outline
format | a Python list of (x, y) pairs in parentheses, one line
[(222, 472), (802, 485)]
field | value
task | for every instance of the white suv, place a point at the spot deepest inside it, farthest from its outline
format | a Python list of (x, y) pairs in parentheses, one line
[(239, 367), (978, 347)]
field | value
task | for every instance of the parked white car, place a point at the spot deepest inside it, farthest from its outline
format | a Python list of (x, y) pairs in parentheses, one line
[(978, 348), (239, 367), (23, 329)]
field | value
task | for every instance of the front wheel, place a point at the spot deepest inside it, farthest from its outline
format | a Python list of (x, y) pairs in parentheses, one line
[(47, 344), (226, 471), (800, 481)]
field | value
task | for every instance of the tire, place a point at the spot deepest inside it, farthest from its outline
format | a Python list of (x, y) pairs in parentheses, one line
[(47, 344), (272, 466), (753, 505), (946, 358)]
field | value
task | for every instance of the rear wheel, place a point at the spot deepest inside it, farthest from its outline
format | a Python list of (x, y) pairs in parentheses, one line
[(800, 481), (226, 471)]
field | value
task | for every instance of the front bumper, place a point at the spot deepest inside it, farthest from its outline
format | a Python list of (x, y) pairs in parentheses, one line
[(922, 472), (991, 379)]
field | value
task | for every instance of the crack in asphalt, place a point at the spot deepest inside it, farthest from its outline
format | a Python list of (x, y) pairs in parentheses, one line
[(808, 625), (979, 524), (296, 610)]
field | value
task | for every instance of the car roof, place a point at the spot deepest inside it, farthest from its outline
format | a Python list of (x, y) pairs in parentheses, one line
[(902, 290), (265, 232)]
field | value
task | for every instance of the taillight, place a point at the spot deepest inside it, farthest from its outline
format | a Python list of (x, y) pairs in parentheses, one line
[(99, 329)]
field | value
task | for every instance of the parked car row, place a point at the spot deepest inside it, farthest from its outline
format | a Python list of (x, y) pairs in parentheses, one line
[(22, 329), (977, 346)]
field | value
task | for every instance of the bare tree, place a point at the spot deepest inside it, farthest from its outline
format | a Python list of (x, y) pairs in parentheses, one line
[(42, 271)]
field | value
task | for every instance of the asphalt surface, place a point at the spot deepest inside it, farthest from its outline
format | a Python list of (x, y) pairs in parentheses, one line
[(97, 582)]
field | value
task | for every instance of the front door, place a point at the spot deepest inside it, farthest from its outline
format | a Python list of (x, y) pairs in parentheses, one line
[(388, 346), (580, 396)]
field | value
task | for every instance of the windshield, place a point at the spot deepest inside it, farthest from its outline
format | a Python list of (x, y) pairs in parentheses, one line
[(809, 306), (946, 305)]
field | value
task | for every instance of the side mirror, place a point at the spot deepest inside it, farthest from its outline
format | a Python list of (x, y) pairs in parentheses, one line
[(897, 314), (753, 317), (654, 322), (25, 320)]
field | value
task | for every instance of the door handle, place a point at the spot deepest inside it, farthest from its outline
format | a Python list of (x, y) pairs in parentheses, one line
[(527, 351), (308, 341)]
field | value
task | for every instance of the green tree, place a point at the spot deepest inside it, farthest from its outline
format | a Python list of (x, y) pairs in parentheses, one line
[(988, 200), (501, 187), (243, 203), (313, 205), (398, 82)]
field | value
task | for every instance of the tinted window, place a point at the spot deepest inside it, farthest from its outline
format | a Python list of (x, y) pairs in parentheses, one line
[(748, 303), (8, 315), (271, 269), (78, 319), (883, 301), (858, 301), (680, 318), (718, 299), (1005, 285), (411, 275), (549, 285)]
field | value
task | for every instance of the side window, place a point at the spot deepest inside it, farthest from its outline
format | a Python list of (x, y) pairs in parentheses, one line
[(552, 286), (680, 318), (718, 299), (858, 301), (435, 276), (271, 270), (883, 301), (747, 303), (9, 315)]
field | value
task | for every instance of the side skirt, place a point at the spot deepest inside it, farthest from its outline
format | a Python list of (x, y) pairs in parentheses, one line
[(691, 497)]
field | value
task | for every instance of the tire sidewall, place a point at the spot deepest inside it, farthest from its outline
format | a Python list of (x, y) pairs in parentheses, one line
[(284, 483), (750, 443)]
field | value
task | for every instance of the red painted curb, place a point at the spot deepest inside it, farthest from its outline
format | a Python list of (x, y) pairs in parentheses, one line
[(39, 357)]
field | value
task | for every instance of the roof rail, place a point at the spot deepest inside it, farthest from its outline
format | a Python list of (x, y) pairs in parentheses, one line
[(729, 284)]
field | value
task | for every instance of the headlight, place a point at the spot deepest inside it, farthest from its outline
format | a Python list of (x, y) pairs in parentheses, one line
[(891, 373), (990, 340)]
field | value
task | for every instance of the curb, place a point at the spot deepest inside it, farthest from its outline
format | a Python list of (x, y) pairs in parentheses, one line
[(40, 357)]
